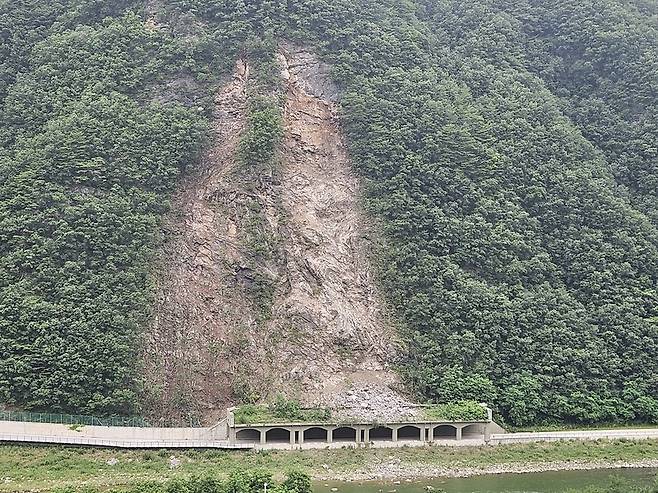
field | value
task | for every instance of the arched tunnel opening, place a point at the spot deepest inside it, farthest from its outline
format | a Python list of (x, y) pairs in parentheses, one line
[(409, 433), (248, 435), (381, 433), (445, 432), (344, 434), (315, 435), (277, 435)]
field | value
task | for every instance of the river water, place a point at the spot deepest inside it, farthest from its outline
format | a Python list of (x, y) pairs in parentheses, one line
[(545, 482)]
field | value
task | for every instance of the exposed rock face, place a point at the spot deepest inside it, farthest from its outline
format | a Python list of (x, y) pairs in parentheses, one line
[(303, 71), (325, 339), (331, 301), (200, 309)]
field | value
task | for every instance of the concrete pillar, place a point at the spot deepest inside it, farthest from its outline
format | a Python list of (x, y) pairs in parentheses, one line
[(301, 436), (330, 435), (263, 436), (395, 434), (459, 433), (292, 437), (423, 433)]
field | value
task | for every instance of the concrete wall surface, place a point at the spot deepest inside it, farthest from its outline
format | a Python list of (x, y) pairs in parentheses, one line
[(107, 432), (476, 442), (216, 437), (118, 443), (622, 433)]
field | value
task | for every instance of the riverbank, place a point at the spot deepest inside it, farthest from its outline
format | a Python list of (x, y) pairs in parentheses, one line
[(44, 468), (394, 471)]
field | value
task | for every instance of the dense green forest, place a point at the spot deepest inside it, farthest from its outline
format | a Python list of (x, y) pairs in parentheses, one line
[(509, 150), (88, 160)]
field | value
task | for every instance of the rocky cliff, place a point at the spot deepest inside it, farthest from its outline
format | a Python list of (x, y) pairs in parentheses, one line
[(324, 336)]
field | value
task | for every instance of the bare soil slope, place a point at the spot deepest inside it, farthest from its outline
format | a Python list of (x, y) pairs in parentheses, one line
[(326, 339)]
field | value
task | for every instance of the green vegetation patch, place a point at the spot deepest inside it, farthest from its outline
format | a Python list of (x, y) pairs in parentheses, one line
[(259, 172), (237, 482), (457, 411), (282, 410)]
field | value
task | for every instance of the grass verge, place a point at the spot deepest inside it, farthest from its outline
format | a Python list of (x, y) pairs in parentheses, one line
[(44, 468)]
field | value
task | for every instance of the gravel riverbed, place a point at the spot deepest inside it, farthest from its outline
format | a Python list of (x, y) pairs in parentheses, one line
[(395, 470)]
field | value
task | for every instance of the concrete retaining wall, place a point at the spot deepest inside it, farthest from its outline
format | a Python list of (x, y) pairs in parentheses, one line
[(217, 437), (119, 443), (104, 435), (628, 434), (380, 444)]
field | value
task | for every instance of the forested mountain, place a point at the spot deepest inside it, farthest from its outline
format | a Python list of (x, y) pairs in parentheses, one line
[(508, 149)]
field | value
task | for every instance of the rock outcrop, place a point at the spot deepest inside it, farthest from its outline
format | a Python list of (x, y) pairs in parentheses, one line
[(325, 337)]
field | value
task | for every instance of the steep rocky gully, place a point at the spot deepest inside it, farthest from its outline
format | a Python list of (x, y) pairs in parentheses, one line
[(323, 337)]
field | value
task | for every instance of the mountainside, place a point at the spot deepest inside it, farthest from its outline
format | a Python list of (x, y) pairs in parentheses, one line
[(209, 202)]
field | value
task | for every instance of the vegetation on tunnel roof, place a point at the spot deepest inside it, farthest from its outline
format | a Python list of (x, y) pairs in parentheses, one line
[(290, 411)]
